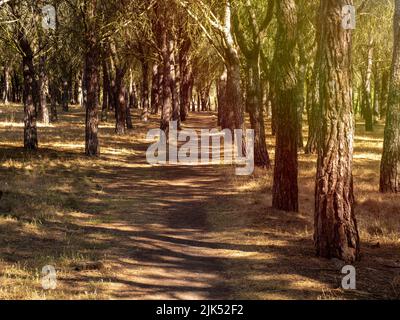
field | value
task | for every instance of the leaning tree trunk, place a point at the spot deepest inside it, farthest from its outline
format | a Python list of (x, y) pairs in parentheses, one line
[(91, 83), (390, 165), (335, 234), (285, 188)]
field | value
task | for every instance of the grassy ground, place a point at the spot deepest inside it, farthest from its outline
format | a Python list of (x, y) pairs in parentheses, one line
[(115, 227)]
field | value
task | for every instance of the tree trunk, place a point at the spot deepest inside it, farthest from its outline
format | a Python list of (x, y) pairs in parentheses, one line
[(336, 234), (53, 101), (221, 96), (156, 93), (254, 106), (233, 111), (390, 165), (174, 82), (145, 90), (6, 85), (302, 72), (166, 113), (186, 71), (43, 84), (285, 188), (384, 94), (65, 94), (30, 95), (106, 90), (367, 103), (120, 103), (91, 84)]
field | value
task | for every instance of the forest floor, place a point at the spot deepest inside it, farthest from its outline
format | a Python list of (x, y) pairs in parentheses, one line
[(117, 228)]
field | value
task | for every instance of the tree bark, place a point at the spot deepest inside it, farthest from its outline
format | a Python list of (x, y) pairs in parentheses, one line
[(145, 90), (254, 106), (30, 94), (186, 71), (221, 96), (106, 90), (335, 234), (6, 85), (285, 188), (390, 164), (91, 84), (156, 89), (166, 113), (120, 102), (43, 84), (367, 103)]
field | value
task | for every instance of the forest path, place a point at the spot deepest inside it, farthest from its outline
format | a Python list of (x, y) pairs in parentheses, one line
[(162, 247)]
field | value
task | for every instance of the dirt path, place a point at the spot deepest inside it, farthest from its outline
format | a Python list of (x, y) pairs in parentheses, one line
[(160, 243)]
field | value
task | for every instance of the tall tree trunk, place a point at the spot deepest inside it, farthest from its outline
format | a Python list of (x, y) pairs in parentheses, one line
[(186, 71), (106, 91), (285, 188), (166, 113), (384, 93), (129, 124), (91, 84), (367, 103), (132, 91), (30, 95), (6, 85), (174, 81), (120, 103), (53, 101), (43, 84), (302, 72), (336, 234), (221, 96), (65, 94), (145, 90), (377, 90), (390, 164), (234, 107), (314, 108), (156, 93), (254, 106)]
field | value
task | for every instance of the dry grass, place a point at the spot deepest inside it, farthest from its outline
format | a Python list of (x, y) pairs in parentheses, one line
[(175, 233)]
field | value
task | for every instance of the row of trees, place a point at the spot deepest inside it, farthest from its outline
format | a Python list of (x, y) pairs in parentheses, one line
[(283, 58)]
